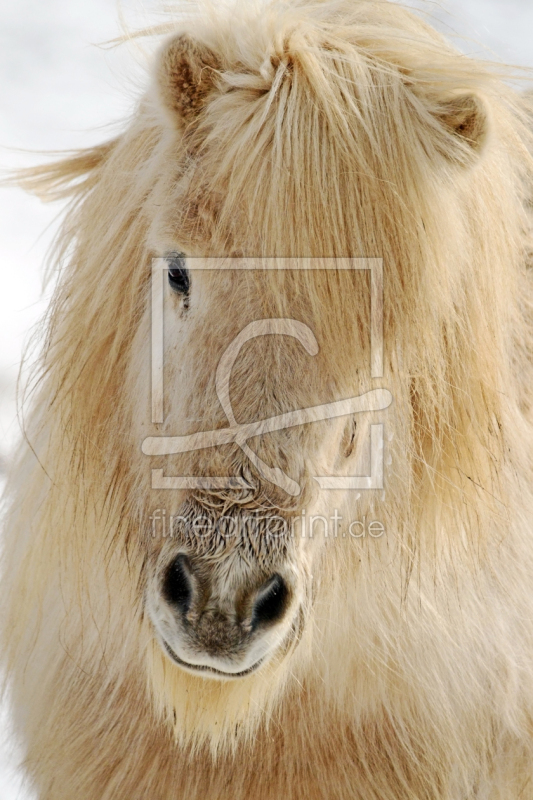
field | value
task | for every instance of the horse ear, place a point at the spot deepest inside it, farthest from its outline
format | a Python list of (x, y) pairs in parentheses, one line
[(185, 76), (466, 118)]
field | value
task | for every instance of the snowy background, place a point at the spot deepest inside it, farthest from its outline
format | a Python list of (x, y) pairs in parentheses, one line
[(62, 88)]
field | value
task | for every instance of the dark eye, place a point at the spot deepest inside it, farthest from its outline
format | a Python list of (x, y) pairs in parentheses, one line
[(178, 274)]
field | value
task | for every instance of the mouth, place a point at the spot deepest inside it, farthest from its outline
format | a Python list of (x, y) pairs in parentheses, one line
[(204, 670)]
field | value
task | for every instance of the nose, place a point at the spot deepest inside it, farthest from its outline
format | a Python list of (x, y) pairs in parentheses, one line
[(178, 584), (222, 628), (270, 601)]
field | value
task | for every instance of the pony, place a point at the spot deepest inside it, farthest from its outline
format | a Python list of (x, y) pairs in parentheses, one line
[(165, 642)]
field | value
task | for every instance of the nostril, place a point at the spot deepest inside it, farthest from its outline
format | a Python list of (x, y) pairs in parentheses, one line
[(177, 585), (271, 601)]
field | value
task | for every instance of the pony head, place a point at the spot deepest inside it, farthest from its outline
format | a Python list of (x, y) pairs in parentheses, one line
[(305, 131)]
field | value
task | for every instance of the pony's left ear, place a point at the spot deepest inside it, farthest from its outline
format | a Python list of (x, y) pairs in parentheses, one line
[(185, 77), (460, 125), (466, 118)]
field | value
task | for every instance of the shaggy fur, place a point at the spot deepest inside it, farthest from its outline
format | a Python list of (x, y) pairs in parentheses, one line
[(334, 128)]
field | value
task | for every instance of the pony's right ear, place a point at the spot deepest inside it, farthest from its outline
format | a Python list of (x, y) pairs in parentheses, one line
[(185, 77)]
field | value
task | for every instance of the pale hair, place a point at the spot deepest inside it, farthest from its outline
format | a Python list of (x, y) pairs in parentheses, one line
[(329, 129)]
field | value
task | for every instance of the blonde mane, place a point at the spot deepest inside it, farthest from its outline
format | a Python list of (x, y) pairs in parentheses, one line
[(341, 128)]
